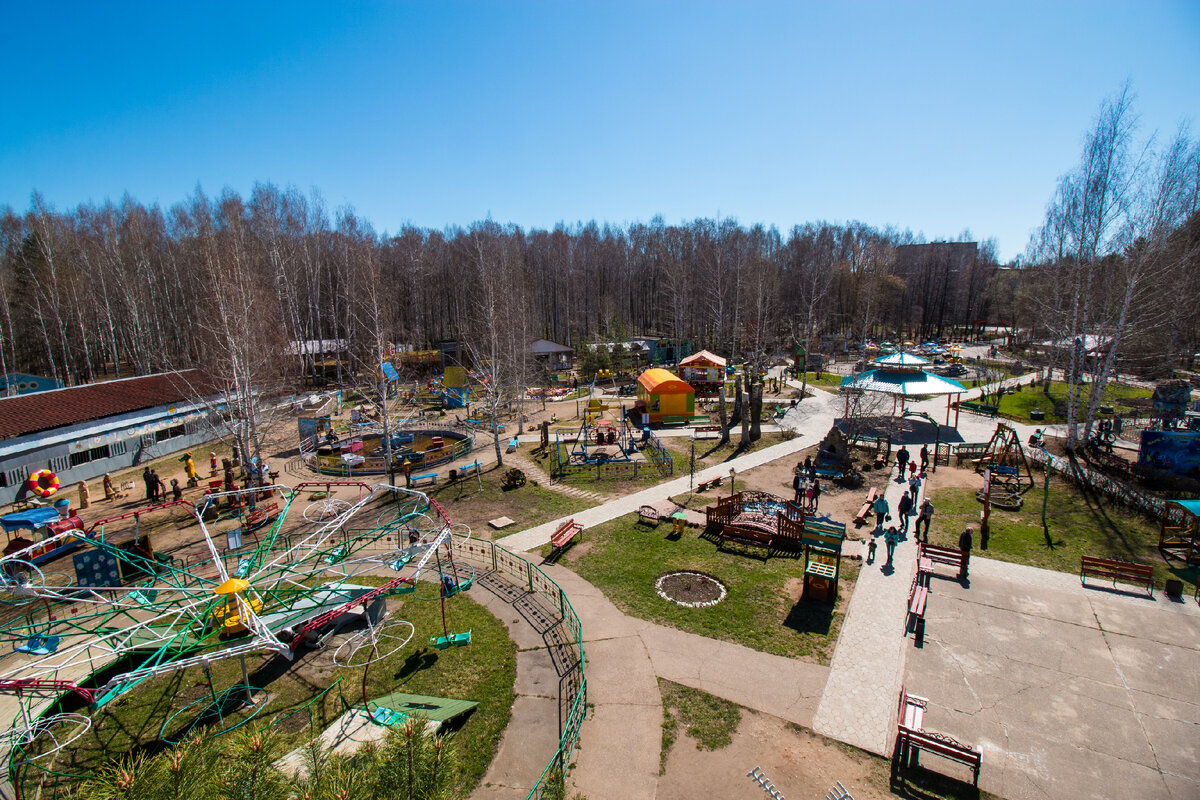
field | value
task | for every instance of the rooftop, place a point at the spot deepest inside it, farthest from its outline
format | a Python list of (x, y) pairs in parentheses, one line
[(45, 411)]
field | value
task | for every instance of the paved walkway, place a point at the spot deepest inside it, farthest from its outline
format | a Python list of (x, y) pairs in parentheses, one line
[(816, 418), (859, 703)]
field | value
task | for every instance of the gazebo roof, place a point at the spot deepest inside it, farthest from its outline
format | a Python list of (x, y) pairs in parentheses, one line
[(660, 381), (906, 384), (703, 359), (1190, 506), (901, 360)]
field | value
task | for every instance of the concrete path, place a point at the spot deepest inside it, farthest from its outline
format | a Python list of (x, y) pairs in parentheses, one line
[(815, 417), (1070, 692), (859, 703)]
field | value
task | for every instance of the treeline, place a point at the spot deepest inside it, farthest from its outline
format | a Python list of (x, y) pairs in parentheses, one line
[(124, 288)]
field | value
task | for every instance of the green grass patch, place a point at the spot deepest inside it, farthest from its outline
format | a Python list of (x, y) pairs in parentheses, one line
[(827, 380), (1078, 525), (710, 452), (483, 671), (467, 502), (1017, 405), (624, 559), (710, 720)]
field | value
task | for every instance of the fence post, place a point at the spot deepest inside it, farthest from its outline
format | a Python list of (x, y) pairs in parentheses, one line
[(529, 573)]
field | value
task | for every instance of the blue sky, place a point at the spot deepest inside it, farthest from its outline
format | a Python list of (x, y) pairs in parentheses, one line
[(938, 117)]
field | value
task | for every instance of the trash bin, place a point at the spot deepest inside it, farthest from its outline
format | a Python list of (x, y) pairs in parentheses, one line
[(453, 475)]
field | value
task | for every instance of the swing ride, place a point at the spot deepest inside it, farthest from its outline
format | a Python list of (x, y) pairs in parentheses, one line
[(127, 614)]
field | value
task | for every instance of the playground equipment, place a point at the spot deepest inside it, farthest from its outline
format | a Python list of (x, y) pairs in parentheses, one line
[(155, 613), (1006, 470), (1179, 535), (365, 452), (665, 398), (602, 440)]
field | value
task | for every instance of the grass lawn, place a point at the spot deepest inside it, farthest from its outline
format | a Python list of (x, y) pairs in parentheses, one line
[(483, 671), (826, 380), (710, 451), (709, 720), (624, 559), (528, 504), (1079, 525), (1017, 405)]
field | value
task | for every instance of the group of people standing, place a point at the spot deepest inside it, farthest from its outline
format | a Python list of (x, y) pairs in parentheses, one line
[(156, 490), (806, 486), (909, 505)]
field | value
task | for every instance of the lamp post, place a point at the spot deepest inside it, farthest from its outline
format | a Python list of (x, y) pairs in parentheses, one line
[(692, 465), (732, 480)]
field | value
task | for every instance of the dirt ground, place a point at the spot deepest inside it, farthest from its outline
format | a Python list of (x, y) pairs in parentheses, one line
[(801, 765)]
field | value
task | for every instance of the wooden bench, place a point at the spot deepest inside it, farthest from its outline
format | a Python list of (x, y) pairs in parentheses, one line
[(428, 476), (749, 537), (979, 408), (565, 533), (918, 594), (707, 429), (912, 738), (864, 512), (512, 445), (969, 451), (261, 514), (708, 484), (649, 514), (466, 470), (943, 555), (1117, 570)]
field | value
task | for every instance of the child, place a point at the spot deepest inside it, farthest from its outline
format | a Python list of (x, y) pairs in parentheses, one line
[(871, 551), (176, 489)]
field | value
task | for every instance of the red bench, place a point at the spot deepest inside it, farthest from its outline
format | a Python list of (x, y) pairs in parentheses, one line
[(912, 738), (1117, 570), (708, 484), (867, 505), (261, 514), (918, 594), (565, 533), (944, 555)]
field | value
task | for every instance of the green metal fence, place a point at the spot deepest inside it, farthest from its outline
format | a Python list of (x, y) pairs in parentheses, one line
[(573, 685)]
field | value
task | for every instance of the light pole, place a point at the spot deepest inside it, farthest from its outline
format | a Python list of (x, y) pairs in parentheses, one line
[(732, 480)]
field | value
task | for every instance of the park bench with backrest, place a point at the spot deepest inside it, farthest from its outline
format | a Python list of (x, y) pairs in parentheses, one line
[(1141, 574), (748, 537), (565, 533), (708, 484), (943, 555), (865, 511), (912, 738), (918, 594), (709, 431), (649, 515), (979, 408), (970, 451), (261, 514)]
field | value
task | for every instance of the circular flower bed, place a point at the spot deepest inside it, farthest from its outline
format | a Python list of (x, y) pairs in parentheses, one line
[(690, 589)]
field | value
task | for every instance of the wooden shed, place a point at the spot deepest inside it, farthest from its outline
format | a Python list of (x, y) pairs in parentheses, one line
[(666, 398), (704, 372)]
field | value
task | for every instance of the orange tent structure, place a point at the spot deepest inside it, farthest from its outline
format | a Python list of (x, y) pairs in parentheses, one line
[(666, 398)]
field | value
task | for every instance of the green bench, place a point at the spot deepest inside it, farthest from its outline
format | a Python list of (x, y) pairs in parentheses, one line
[(979, 408)]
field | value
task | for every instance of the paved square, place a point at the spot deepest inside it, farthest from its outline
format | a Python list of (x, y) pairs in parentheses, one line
[(1070, 692)]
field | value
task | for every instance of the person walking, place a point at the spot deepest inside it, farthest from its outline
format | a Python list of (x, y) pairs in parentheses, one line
[(881, 509), (964, 545), (150, 485), (914, 488), (870, 551), (925, 516), (816, 494), (160, 488), (797, 485), (889, 541), (924, 458), (904, 509), (901, 463)]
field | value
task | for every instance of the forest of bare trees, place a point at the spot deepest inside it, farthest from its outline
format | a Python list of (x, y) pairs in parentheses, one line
[(123, 289)]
